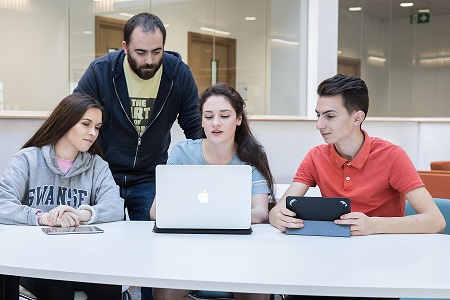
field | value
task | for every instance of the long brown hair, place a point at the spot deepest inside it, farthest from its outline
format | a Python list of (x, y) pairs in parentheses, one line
[(66, 114), (249, 150)]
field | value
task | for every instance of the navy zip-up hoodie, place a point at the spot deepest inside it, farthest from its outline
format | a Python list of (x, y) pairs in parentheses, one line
[(133, 159)]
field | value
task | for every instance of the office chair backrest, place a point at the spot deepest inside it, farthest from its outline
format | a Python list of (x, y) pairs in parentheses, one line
[(440, 165), (437, 183), (442, 204)]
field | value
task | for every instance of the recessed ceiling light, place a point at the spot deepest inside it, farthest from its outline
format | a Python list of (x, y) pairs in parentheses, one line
[(215, 31), (435, 60), (355, 8), (126, 15), (406, 4), (87, 32), (375, 58), (424, 10), (250, 18), (285, 42)]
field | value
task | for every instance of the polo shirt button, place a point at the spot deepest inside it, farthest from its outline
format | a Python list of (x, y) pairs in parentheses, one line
[(347, 178), (348, 164)]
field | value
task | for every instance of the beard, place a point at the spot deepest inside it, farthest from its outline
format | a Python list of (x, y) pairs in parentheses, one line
[(144, 71)]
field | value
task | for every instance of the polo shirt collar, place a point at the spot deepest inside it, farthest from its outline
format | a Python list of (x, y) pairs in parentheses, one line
[(360, 158)]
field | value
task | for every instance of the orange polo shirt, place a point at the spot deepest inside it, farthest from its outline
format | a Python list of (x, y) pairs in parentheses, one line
[(376, 180)]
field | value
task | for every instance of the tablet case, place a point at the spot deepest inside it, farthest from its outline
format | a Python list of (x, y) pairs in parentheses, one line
[(318, 215)]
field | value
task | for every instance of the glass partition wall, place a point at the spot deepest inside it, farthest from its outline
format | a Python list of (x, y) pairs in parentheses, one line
[(402, 51), (258, 46)]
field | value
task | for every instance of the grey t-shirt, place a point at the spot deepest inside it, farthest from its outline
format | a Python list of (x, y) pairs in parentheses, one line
[(189, 152)]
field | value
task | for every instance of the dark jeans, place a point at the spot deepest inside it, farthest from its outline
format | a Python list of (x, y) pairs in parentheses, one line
[(138, 201), (46, 289)]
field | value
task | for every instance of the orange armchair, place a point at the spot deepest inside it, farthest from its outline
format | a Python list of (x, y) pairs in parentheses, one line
[(440, 165), (437, 183)]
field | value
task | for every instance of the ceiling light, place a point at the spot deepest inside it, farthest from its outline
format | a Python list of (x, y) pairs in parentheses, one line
[(126, 15), (215, 31), (435, 60), (250, 18), (406, 4), (375, 58), (355, 8), (285, 42), (87, 32), (425, 10)]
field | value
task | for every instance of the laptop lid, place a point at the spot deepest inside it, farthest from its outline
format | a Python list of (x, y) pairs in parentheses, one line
[(203, 198)]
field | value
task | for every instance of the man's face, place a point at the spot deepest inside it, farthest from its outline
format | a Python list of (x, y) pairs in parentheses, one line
[(145, 52), (334, 122)]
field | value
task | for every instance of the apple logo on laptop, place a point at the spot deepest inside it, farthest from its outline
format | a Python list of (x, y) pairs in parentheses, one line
[(203, 197)]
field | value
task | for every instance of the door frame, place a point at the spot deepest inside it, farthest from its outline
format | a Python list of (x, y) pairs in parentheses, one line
[(194, 37)]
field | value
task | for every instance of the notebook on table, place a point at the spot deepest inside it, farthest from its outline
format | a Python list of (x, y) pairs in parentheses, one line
[(203, 199), (318, 215)]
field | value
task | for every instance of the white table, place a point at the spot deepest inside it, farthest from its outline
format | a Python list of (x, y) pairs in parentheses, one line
[(266, 261)]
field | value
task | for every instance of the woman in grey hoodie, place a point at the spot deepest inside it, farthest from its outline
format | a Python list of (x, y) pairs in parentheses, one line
[(59, 179)]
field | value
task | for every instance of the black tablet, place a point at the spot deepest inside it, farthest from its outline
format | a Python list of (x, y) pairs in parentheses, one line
[(318, 208), (318, 215)]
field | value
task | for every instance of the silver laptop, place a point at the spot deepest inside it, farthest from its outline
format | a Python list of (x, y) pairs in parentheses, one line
[(203, 199)]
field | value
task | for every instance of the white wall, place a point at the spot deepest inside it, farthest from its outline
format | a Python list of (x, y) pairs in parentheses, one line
[(287, 142), (34, 67)]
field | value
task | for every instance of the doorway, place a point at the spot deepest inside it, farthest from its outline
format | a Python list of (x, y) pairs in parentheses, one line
[(349, 66), (200, 59), (108, 35)]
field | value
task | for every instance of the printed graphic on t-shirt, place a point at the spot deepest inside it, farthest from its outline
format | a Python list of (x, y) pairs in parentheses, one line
[(141, 110), (47, 195), (142, 95)]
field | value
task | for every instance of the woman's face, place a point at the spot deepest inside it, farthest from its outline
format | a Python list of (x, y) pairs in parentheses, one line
[(83, 134), (219, 120)]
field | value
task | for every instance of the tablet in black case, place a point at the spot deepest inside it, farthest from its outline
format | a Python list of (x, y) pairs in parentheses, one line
[(318, 214)]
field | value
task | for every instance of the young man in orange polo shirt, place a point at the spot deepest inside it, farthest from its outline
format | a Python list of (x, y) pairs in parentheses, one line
[(375, 174)]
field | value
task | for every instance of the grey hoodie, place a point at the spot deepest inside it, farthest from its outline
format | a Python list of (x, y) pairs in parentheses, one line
[(33, 182)]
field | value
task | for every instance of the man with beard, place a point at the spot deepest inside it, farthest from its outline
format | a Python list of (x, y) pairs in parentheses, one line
[(144, 89)]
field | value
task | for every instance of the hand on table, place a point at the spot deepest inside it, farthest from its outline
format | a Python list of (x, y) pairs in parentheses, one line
[(64, 216)]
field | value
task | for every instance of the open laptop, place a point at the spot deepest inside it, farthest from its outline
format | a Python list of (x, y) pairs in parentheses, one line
[(203, 199)]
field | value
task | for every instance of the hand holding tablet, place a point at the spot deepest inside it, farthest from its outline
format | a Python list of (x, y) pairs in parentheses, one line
[(318, 215)]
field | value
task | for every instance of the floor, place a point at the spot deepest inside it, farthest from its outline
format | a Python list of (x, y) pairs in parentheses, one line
[(135, 293)]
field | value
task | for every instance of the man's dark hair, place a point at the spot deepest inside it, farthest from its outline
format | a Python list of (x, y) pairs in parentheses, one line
[(146, 22), (355, 94)]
